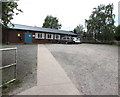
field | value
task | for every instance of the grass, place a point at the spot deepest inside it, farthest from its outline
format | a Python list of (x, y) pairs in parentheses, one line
[(6, 88), (116, 44), (10, 84)]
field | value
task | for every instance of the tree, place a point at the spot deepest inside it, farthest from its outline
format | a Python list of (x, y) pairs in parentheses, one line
[(79, 29), (51, 22), (117, 33), (101, 23), (9, 9)]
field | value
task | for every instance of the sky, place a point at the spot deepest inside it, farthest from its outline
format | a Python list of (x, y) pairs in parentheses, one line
[(69, 12), (119, 13)]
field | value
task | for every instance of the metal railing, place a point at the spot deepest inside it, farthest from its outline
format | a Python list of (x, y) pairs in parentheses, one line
[(9, 65)]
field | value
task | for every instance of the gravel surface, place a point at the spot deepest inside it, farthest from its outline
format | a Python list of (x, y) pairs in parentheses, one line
[(26, 67), (92, 68)]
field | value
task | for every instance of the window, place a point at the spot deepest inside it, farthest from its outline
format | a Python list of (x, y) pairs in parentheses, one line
[(39, 35), (57, 36), (49, 36), (69, 37), (64, 38)]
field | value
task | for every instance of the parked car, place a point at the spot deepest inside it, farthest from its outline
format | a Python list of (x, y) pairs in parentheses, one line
[(76, 40), (66, 40)]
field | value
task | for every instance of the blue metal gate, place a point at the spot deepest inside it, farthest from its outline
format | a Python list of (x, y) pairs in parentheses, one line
[(28, 37)]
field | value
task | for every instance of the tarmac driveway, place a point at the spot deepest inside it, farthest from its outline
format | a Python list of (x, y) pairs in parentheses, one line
[(92, 68)]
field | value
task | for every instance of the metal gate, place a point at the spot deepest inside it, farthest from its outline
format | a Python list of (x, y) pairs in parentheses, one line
[(28, 37), (8, 66)]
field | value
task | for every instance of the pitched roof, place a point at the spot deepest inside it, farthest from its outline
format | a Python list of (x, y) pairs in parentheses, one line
[(31, 28)]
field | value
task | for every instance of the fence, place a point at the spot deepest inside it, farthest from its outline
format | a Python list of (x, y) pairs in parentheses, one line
[(9, 60)]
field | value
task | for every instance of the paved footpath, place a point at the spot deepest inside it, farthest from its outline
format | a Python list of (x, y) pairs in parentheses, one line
[(51, 78)]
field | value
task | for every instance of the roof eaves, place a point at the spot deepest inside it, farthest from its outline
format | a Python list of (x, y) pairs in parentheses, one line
[(30, 28)]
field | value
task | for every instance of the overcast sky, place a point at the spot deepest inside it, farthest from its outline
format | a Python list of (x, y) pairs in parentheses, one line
[(69, 12)]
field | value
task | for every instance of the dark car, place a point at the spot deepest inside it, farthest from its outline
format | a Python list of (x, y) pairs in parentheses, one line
[(66, 40)]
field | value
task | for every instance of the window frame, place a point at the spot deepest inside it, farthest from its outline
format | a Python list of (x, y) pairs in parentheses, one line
[(40, 35), (57, 38), (48, 36)]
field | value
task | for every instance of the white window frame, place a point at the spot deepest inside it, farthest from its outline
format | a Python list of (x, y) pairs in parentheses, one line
[(57, 38), (49, 37), (39, 35)]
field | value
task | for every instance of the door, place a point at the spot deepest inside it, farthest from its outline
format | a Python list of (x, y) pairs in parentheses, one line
[(28, 37)]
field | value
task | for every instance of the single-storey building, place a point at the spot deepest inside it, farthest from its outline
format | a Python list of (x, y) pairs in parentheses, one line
[(30, 34)]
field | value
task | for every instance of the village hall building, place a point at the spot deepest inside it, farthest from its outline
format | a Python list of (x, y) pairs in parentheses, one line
[(29, 34)]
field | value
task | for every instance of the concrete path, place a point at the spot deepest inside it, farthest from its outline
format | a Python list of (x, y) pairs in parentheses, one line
[(51, 78)]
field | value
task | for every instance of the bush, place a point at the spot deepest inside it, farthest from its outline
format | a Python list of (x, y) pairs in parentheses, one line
[(117, 33)]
